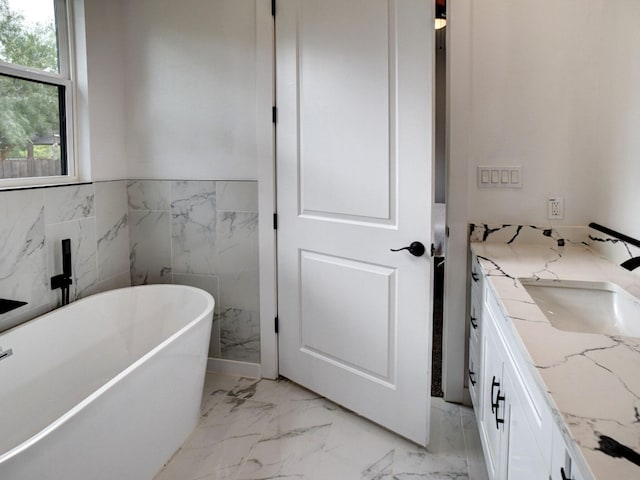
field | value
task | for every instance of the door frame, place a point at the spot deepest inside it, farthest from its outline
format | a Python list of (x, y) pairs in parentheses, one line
[(455, 278), (265, 151), (458, 106)]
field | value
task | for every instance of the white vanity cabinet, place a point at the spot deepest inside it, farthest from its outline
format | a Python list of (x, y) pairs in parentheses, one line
[(513, 420), (563, 466)]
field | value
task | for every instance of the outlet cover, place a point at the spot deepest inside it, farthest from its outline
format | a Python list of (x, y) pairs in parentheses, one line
[(555, 208)]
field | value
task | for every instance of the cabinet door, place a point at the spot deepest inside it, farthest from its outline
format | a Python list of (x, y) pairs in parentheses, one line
[(562, 465), (524, 460), (491, 429), (474, 377)]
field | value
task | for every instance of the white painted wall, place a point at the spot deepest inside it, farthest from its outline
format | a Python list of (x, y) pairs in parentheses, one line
[(617, 139), (534, 97), (552, 87), (190, 83), (100, 97)]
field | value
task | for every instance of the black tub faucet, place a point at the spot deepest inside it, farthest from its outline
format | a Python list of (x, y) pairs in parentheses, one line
[(63, 281), (631, 264)]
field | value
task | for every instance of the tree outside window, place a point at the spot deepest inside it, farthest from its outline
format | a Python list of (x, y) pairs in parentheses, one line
[(32, 96)]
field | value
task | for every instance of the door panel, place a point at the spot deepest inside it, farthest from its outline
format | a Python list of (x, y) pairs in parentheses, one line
[(331, 323), (354, 173), (344, 111)]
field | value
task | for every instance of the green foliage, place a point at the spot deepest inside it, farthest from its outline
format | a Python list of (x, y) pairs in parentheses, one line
[(28, 109)]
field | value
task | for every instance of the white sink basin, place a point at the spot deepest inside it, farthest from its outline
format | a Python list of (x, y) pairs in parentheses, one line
[(588, 307)]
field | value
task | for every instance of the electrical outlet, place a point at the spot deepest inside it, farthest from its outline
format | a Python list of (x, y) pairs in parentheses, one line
[(555, 208)]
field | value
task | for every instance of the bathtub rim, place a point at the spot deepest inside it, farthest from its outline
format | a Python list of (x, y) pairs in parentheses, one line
[(69, 414)]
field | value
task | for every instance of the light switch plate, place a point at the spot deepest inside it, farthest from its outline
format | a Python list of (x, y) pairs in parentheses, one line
[(499, 176)]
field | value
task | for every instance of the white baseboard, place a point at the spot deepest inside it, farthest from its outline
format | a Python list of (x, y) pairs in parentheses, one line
[(233, 367)]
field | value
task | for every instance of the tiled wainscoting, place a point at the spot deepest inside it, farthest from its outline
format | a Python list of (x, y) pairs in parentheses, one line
[(200, 233), (32, 225), (205, 234)]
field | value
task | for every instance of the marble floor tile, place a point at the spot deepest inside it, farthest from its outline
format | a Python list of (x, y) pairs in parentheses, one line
[(253, 429)]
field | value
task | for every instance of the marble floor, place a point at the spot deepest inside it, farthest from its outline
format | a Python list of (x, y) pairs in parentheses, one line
[(263, 429)]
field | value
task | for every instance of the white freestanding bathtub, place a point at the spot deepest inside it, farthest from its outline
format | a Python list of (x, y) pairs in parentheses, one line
[(108, 387)]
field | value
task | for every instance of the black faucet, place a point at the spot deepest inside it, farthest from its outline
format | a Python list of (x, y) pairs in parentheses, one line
[(631, 264), (63, 281)]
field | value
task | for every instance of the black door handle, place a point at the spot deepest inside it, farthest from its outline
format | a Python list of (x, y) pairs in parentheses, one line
[(416, 249)]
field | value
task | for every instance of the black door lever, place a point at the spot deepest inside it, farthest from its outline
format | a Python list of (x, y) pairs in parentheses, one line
[(416, 249)]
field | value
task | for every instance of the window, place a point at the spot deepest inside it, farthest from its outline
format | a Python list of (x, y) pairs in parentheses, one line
[(35, 93)]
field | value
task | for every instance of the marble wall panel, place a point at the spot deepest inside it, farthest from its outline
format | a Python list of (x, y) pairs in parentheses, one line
[(240, 335), (67, 203), (149, 195), (112, 234), (193, 227), (150, 247), (33, 223), (204, 234), (23, 259), (237, 196)]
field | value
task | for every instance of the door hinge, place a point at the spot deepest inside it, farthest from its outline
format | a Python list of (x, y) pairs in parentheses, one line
[(276, 324), (275, 221), (446, 232), (274, 114), (433, 249), (273, 8)]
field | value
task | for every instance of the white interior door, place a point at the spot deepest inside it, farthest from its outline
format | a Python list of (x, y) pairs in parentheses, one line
[(354, 173)]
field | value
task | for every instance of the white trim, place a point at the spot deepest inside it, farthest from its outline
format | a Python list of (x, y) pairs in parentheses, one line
[(63, 78), (459, 50), (233, 367), (265, 139)]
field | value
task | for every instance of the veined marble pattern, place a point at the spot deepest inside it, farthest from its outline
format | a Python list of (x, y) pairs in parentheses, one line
[(590, 381), (520, 234), (152, 195), (32, 224), (23, 262), (112, 230), (272, 430), (70, 213), (239, 335), (71, 202), (205, 234), (238, 247), (193, 227), (612, 248), (150, 247)]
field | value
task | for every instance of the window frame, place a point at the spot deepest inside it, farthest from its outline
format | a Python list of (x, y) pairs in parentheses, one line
[(65, 79)]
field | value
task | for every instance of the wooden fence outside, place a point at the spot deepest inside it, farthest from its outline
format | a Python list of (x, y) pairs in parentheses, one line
[(23, 167)]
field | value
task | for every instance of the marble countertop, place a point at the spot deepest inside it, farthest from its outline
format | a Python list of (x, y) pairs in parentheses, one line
[(591, 381)]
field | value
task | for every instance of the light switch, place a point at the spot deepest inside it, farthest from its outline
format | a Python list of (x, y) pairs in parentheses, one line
[(499, 176)]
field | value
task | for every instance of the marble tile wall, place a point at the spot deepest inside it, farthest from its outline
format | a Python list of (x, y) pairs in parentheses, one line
[(204, 234), (32, 224)]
